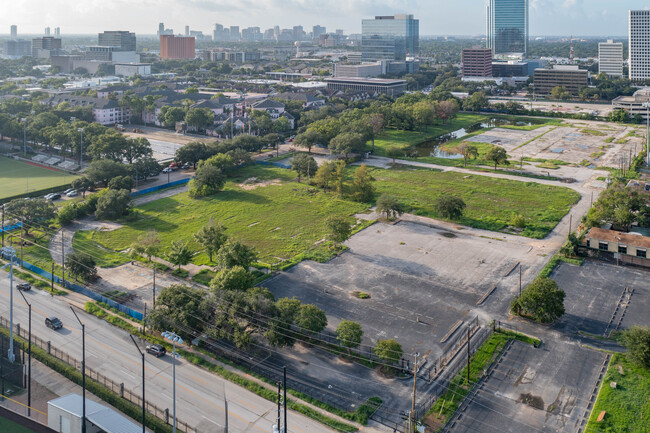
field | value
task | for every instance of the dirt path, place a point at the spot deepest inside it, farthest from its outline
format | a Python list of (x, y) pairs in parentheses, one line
[(62, 239)]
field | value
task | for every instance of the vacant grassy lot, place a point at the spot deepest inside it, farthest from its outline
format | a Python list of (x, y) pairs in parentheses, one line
[(491, 202), (17, 177), (280, 219), (405, 139), (627, 406)]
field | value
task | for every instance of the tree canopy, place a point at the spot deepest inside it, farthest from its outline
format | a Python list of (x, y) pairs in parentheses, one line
[(541, 300)]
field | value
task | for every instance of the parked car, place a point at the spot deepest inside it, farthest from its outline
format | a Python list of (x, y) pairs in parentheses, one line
[(24, 286), (48, 196), (68, 191), (55, 196), (53, 323), (156, 350), (167, 170), (187, 166), (72, 193)]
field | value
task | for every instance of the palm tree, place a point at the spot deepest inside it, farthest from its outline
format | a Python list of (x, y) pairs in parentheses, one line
[(468, 151)]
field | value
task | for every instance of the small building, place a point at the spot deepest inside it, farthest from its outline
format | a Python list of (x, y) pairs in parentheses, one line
[(629, 248), (569, 76), (388, 87), (130, 69), (64, 414), (634, 104)]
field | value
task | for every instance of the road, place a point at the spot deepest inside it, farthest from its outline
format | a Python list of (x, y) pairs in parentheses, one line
[(110, 351)]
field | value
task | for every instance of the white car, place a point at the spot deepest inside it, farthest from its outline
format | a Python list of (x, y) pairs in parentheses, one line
[(167, 170), (68, 191), (72, 193)]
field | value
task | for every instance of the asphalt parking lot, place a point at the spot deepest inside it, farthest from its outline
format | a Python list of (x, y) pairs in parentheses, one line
[(534, 390), (593, 291)]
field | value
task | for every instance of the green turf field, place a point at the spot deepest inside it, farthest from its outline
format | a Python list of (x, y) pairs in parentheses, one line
[(10, 426), (17, 177)]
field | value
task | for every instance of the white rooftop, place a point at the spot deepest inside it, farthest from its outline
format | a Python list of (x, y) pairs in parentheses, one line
[(103, 417)]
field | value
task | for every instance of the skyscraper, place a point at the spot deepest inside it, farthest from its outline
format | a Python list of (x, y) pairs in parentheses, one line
[(187, 30), (14, 31), (639, 45), (161, 29), (47, 31), (123, 39), (57, 31), (390, 38), (610, 58), (507, 27)]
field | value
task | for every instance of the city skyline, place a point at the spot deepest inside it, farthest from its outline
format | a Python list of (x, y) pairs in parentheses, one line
[(547, 17)]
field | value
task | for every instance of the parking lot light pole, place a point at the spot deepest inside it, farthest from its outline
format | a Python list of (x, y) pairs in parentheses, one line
[(168, 335), (29, 358), (81, 153), (83, 371), (24, 120), (144, 430), (12, 257)]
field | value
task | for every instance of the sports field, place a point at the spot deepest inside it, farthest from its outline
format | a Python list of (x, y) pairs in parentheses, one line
[(17, 177), (10, 426)]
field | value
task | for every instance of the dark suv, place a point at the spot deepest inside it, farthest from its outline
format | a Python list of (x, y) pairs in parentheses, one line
[(24, 286), (53, 323), (156, 350)]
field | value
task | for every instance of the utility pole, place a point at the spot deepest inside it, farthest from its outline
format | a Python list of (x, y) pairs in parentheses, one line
[(63, 257), (52, 281), (570, 224), (29, 362), (519, 279), (415, 377), (83, 370), (278, 425), (468, 355), (12, 257), (21, 243), (284, 379), (154, 285), (144, 419), (3, 226)]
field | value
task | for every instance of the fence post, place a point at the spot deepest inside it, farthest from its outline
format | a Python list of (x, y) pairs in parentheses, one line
[(167, 416), (49, 346), (122, 390), (18, 329)]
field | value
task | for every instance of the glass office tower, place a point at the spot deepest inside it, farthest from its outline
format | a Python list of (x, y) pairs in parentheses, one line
[(390, 38), (507, 27)]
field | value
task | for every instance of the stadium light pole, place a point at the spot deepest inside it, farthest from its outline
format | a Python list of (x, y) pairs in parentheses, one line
[(83, 370), (29, 362), (168, 335), (81, 154), (24, 120), (144, 429)]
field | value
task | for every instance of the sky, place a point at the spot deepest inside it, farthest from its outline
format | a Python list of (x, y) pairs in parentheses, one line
[(437, 17)]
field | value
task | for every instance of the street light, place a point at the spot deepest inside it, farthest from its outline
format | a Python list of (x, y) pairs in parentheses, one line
[(83, 370), (168, 335), (646, 105), (24, 120), (81, 154), (143, 403), (29, 362), (12, 257)]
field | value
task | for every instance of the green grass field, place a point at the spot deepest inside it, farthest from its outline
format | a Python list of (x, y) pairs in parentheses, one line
[(627, 406), (17, 177), (10, 426), (490, 202), (280, 221)]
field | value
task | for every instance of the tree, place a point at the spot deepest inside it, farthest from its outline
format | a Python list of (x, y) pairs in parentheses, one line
[(376, 122), (113, 204), (477, 102), (145, 167), (468, 151), (30, 211), (541, 300), (200, 118), (280, 331), (423, 114), (338, 230), (362, 188), (208, 180), (497, 155), (394, 152), (235, 278), (447, 110), (136, 148), (81, 266), (560, 92), (212, 237), (179, 308), (234, 253), (308, 139), (239, 156), (81, 184), (109, 145), (148, 244), (170, 115), (449, 206), (67, 213), (191, 152), (349, 334), (304, 165), (389, 205), (121, 182), (325, 175), (104, 170), (637, 342), (179, 254), (619, 206), (347, 142), (389, 351), (222, 161), (311, 319), (282, 124)]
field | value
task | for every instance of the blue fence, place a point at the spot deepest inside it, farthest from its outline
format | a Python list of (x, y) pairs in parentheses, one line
[(275, 163), (84, 291), (10, 228), (159, 187)]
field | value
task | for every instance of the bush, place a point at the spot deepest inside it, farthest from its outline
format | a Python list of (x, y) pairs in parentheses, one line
[(637, 342), (541, 300)]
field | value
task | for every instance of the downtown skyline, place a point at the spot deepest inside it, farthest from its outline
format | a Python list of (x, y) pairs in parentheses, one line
[(547, 17)]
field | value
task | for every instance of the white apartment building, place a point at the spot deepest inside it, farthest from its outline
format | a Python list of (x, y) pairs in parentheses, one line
[(610, 58), (639, 34)]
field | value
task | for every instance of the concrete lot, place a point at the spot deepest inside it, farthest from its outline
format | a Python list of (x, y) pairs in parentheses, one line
[(544, 390), (580, 142), (564, 107), (164, 142), (593, 291)]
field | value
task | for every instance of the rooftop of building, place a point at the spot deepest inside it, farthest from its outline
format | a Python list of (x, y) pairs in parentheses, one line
[(385, 81), (633, 239)]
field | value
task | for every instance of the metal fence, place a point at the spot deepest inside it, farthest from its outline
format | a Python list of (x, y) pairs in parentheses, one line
[(118, 388), (159, 187)]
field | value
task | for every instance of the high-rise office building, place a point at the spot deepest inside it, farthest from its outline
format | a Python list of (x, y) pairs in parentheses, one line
[(18, 48), (161, 29), (477, 62), (46, 46), (47, 31), (14, 31), (187, 30), (639, 34), (57, 31), (610, 58), (508, 27), (390, 38), (317, 31), (177, 47), (234, 33), (123, 39)]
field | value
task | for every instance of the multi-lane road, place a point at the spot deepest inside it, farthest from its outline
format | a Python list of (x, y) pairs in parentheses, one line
[(109, 350)]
